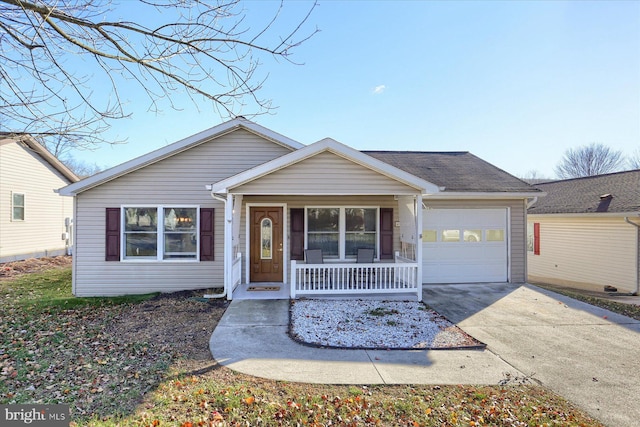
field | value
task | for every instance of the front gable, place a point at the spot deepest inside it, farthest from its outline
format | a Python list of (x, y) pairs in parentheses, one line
[(325, 173), (225, 150), (325, 167)]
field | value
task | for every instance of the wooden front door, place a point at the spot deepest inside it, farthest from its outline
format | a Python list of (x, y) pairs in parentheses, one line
[(266, 244)]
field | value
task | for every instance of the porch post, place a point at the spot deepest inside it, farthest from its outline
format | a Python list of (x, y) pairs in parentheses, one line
[(293, 279), (228, 246), (419, 244)]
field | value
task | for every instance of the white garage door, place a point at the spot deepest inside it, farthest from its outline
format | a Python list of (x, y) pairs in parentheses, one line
[(464, 245)]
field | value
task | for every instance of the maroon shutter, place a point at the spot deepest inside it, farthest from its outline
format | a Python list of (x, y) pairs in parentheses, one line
[(112, 235), (297, 233), (386, 233), (206, 234), (536, 238)]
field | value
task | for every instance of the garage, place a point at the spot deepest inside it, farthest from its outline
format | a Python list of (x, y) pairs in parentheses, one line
[(465, 245)]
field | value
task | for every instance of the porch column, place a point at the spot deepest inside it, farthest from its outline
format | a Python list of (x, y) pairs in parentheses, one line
[(419, 244), (228, 246)]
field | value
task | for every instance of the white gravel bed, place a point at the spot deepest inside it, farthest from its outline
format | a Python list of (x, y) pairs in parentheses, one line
[(374, 324)]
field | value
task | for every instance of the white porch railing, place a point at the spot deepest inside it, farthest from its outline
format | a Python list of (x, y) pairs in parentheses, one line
[(400, 277), (236, 271)]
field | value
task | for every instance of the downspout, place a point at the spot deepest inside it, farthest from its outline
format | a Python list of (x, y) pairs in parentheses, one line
[(532, 201), (628, 221), (224, 289)]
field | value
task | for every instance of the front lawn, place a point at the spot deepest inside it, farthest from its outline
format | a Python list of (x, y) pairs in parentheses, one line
[(144, 361)]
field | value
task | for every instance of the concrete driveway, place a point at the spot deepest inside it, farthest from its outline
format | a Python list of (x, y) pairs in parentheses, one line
[(588, 355)]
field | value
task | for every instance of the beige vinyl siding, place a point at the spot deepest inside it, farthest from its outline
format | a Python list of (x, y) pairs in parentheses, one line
[(585, 252), (178, 180), (517, 227), (305, 201), (310, 176), (40, 234)]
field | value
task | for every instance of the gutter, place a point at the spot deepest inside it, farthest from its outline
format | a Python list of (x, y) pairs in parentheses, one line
[(628, 221), (225, 269)]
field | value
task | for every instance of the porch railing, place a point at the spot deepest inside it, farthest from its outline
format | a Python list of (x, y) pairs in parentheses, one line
[(400, 277)]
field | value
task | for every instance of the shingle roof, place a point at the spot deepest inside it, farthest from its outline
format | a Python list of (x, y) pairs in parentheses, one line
[(589, 194), (455, 171)]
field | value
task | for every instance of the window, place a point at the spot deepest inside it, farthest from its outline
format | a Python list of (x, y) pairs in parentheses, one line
[(360, 230), (160, 233), (323, 230), (429, 236), (17, 206), (266, 239), (340, 232), (450, 236), (495, 235), (473, 235), (180, 235)]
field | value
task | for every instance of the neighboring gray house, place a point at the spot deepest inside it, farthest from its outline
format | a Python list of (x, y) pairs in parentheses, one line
[(585, 232), (33, 218), (237, 205)]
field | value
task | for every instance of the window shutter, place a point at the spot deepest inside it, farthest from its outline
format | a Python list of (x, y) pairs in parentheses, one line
[(112, 235), (297, 233), (206, 234), (386, 233), (536, 238)]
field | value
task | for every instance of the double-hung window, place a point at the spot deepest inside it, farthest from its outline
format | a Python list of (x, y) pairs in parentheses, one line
[(17, 206), (340, 232), (160, 232)]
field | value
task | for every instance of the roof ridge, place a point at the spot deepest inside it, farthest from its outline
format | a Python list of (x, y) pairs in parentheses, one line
[(579, 178), (414, 151)]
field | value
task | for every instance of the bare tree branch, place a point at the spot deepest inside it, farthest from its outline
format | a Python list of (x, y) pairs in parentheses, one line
[(65, 66), (589, 160)]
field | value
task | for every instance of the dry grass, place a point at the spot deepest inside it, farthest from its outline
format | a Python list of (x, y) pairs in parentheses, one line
[(145, 362)]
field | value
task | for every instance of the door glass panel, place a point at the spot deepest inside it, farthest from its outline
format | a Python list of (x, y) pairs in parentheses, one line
[(495, 235), (450, 235), (429, 236), (266, 239), (472, 235)]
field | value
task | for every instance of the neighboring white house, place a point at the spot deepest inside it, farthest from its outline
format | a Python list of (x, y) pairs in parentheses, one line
[(33, 218), (585, 233), (237, 205)]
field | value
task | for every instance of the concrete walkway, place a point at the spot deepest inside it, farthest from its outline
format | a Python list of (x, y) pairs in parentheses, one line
[(252, 338), (588, 355)]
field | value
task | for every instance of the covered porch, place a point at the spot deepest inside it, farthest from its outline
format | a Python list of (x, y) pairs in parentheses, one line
[(279, 210)]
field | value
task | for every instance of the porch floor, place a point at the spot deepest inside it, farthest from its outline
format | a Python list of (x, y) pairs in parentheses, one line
[(243, 292)]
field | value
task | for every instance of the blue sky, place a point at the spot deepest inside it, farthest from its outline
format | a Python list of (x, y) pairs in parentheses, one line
[(515, 83)]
